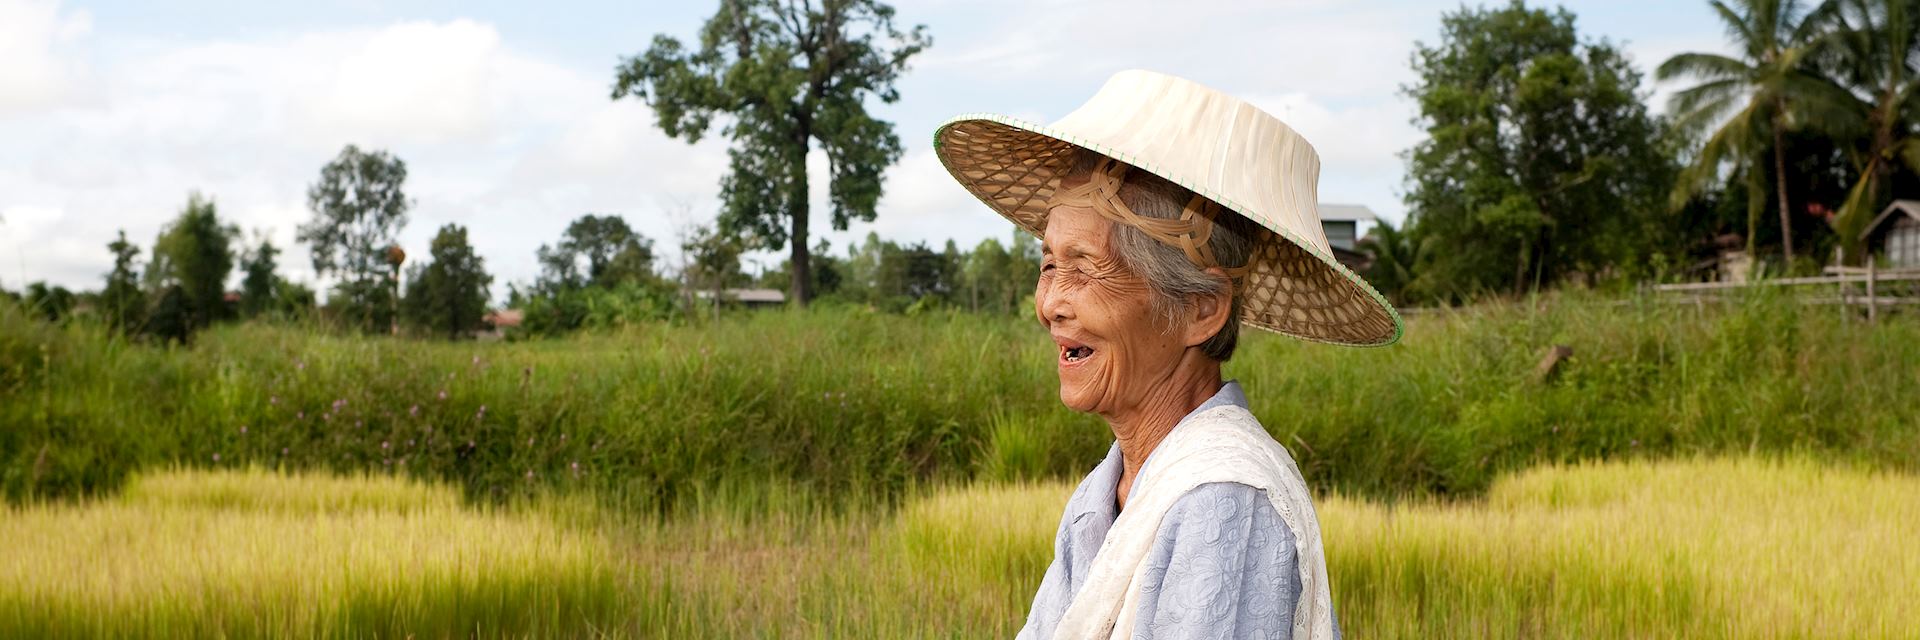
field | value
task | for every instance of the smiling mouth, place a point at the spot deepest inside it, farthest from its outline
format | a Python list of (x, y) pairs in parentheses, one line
[(1075, 354)]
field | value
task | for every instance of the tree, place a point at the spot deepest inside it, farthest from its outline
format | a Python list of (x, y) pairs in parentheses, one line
[(987, 270), (1877, 54), (52, 302), (790, 75), (713, 260), (449, 296), (359, 208), (257, 287), (613, 252), (1752, 101), (1540, 159), (1393, 257), (194, 253), (122, 301)]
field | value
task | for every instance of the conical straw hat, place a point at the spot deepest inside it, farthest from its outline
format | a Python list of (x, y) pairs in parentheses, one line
[(1214, 144)]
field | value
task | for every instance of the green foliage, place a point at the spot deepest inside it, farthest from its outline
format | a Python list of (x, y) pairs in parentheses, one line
[(122, 302), (788, 75), (618, 287), (1876, 54), (359, 207), (192, 256), (613, 252), (713, 259), (52, 303), (844, 401), (257, 287), (1750, 101), (449, 296), (1541, 160)]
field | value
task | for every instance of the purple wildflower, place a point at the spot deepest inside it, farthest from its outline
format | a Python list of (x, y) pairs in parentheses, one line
[(283, 451), (243, 429), (414, 411), (216, 457), (443, 394), (383, 444)]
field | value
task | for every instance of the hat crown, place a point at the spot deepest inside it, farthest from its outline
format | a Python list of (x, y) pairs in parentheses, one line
[(1218, 145)]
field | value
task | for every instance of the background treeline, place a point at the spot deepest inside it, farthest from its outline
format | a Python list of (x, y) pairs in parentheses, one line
[(1542, 164)]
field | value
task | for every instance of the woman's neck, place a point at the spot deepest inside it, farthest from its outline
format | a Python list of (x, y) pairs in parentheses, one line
[(1140, 427)]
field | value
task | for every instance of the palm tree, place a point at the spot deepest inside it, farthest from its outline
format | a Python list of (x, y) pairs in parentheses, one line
[(1767, 90), (1879, 48), (1394, 255)]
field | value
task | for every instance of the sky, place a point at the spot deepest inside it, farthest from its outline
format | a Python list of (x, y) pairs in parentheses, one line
[(111, 113)]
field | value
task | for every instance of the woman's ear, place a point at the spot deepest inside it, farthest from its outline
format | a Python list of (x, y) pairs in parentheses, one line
[(1210, 313)]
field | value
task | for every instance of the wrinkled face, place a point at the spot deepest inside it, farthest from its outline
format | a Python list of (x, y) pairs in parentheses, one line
[(1111, 347)]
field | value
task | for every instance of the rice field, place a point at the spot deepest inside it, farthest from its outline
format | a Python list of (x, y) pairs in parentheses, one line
[(1703, 548), (255, 554)]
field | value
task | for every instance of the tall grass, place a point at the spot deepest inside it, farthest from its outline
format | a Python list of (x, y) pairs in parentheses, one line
[(1706, 548), (841, 402), (1695, 548), (259, 554)]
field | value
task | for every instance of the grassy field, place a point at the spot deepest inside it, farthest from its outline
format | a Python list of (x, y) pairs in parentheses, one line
[(256, 554), (858, 406), (1724, 548), (1745, 470)]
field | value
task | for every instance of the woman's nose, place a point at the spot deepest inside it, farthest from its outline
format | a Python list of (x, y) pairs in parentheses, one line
[(1050, 301)]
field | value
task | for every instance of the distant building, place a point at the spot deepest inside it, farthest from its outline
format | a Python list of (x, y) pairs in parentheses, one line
[(1896, 231), (747, 297), (1342, 225)]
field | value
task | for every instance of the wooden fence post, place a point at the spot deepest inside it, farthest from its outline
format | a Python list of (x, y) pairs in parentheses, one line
[(1873, 304)]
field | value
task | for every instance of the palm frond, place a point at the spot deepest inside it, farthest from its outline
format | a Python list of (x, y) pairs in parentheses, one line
[(1708, 66), (1737, 28)]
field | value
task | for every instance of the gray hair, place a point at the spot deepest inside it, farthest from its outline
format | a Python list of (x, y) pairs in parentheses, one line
[(1172, 277)]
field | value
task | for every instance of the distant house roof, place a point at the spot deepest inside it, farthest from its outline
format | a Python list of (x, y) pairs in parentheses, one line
[(503, 318), (1354, 212), (749, 296), (1909, 208)]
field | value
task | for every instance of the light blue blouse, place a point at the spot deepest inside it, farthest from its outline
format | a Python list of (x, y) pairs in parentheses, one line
[(1222, 565)]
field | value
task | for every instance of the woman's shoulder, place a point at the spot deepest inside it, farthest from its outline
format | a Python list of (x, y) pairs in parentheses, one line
[(1222, 502)]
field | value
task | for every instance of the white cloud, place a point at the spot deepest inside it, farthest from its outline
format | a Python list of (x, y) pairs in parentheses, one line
[(36, 63), (509, 144), (414, 82)]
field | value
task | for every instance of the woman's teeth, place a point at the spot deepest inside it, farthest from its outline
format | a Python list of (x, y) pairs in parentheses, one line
[(1076, 354)]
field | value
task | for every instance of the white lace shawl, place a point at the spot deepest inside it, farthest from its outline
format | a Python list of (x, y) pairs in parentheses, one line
[(1224, 444)]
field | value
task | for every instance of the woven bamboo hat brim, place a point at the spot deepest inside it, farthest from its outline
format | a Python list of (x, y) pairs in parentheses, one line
[(1216, 145)]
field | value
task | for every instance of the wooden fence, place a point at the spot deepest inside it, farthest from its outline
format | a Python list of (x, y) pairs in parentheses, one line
[(1867, 287)]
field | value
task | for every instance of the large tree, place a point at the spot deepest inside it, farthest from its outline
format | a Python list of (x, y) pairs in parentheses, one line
[(449, 295), (789, 74), (195, 254), (1751, 100), (359, 207), (1540, 159)]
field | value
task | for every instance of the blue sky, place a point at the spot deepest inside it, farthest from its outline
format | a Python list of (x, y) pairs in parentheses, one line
[(114, 111)]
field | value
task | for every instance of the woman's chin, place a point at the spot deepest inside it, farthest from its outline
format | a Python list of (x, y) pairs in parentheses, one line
[(1077, 398)]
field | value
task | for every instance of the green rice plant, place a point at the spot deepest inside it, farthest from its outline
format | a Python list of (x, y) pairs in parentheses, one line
[(254, 553)]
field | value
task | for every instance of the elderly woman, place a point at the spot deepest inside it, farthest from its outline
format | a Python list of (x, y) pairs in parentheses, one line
[(1170, 215)]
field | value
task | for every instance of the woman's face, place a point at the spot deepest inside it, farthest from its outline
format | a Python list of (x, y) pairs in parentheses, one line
[(1111, 348)]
